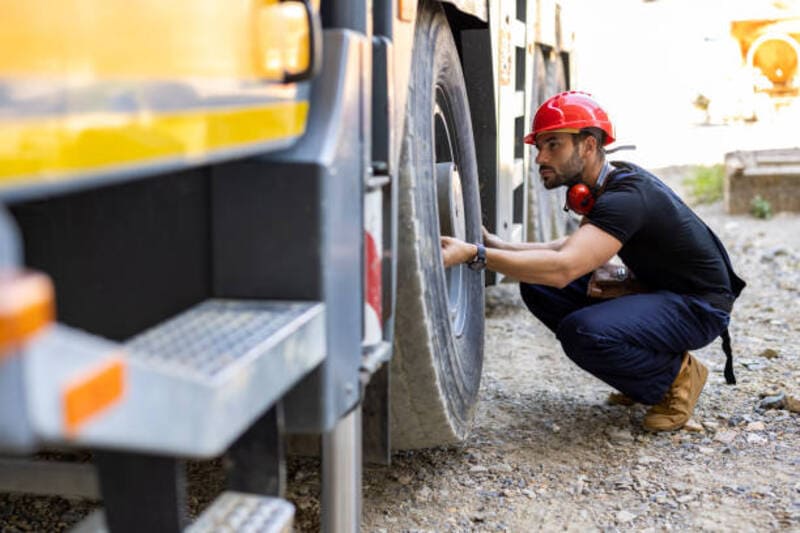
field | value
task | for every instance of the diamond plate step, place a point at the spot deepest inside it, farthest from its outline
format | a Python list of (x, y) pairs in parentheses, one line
[(194, 383), (230, 512), (216, 335), (235, 512)]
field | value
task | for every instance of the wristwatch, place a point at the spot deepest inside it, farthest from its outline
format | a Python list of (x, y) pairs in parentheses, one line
[(478, 262)]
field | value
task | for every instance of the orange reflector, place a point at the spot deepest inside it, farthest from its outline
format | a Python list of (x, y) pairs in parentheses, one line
[(26, 305), (406, 9), (88, 395)]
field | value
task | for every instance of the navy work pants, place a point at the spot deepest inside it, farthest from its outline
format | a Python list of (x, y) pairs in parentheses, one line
[(634, 343)]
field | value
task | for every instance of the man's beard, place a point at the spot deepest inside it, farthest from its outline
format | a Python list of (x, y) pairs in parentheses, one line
[(569, 175)]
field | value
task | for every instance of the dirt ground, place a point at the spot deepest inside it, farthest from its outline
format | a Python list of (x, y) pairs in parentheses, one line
[(547, 452)]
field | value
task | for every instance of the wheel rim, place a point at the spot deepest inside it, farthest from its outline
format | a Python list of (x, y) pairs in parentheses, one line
[(452, 217)]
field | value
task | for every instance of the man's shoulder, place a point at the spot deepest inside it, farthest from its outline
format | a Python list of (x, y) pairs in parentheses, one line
[(624, 176), (627, 175), (626, 168)]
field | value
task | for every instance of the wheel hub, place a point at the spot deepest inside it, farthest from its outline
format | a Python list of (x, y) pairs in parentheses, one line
[(452, 218)]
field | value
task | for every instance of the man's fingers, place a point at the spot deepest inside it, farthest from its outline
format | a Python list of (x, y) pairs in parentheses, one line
[(450, 250), (490, 239)]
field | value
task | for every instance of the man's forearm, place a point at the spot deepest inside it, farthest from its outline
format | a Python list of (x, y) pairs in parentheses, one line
[(556, 263), (522, 246), (532, 265)]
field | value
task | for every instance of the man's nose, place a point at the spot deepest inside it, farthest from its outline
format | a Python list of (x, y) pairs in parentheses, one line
[(539, 157)]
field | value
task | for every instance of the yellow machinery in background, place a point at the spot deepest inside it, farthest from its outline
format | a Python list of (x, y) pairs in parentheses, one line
[(771, 48)]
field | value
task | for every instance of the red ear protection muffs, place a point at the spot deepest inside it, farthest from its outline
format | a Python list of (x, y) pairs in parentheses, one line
[(580, 199)]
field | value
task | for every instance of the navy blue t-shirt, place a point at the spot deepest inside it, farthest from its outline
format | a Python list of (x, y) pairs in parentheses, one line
[(664, 243)]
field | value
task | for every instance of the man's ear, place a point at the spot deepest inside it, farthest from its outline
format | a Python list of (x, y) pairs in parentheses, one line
[(590, 144)]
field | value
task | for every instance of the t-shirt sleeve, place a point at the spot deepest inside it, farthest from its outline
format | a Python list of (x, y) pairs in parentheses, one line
[(619, 212)]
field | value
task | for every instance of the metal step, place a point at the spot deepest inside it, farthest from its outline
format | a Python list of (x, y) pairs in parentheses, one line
[(234, 512), (192, 384), (231, 512), (212, 337)]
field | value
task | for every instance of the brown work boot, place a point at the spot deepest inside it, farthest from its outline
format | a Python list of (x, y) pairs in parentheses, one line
[(617, 398), (678, 404)]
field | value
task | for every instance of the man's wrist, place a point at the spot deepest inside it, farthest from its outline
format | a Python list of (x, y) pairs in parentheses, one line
[(477, 261)]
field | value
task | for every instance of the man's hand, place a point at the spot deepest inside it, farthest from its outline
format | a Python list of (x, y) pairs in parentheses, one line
[(455, 251), (490, 240)]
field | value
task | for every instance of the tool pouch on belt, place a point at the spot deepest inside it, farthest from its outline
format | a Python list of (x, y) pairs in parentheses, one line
[(612, 281)]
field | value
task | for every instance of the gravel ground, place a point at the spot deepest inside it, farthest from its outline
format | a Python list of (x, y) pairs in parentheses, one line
[(547, 452)]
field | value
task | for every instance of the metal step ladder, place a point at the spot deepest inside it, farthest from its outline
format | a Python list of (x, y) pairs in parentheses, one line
[(187, 387)]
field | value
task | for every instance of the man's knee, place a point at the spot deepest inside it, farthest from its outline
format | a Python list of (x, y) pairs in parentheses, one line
[(541, 299), (574, 329), (580, 339), (534, 296)]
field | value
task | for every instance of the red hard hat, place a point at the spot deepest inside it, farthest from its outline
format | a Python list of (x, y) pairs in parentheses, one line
[(570, 111)]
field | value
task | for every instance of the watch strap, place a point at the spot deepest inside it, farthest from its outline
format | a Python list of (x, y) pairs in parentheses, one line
[(479, 261)]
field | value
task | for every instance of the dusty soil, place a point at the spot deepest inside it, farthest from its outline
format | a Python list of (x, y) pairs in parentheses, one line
[(548, 453)]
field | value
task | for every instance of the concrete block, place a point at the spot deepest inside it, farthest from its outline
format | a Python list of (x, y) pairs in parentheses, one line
[(772, 174)]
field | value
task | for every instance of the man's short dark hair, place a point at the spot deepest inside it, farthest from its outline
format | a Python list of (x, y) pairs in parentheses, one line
[(598, 134)]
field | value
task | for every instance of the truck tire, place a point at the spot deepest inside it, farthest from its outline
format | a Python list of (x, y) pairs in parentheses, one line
[(438, 355)]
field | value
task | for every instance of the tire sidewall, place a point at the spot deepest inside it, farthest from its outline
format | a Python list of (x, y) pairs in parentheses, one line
[(458, 359)]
